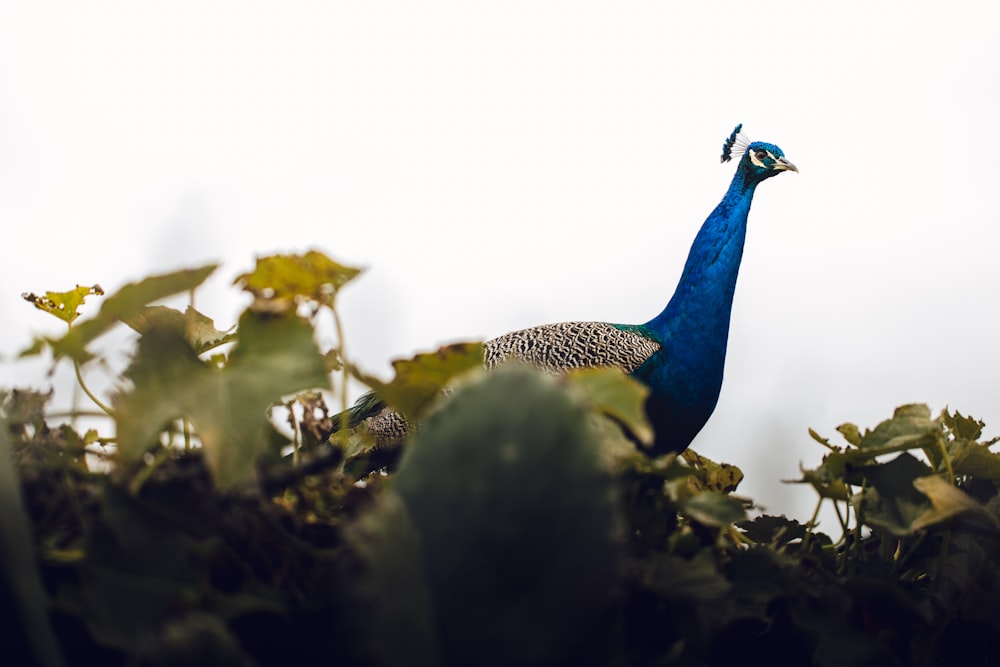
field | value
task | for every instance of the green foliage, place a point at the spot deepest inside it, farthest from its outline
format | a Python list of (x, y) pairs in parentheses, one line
[(522, 522), (127, 303), (275, 355), (283, 282), (520, 538), (616, 396), (418, 381)]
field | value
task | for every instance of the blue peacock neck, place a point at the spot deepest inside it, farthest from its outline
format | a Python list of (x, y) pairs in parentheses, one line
[(694, 326)]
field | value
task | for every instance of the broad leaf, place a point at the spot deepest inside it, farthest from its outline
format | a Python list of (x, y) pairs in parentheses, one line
[(420, 379), (616, 395), (199, 330), (280, 282), (947, 501), (713, 509), (275, 356)]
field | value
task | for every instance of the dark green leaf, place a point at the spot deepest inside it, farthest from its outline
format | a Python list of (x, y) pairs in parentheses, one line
[(713, 509), (618, 396), (947, 501)]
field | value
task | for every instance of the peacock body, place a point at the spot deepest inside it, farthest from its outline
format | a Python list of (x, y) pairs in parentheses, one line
[(679, 354)]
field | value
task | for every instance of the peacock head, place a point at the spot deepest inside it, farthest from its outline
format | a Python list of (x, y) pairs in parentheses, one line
[(760, 159)]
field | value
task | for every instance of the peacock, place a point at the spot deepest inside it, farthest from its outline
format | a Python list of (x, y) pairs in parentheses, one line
[(679, 354)]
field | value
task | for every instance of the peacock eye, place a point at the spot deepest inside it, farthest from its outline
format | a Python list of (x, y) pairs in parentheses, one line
[(761, 155)]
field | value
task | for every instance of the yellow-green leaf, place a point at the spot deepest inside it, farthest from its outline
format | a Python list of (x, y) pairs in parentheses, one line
[(851, 433), (63, 305), (280, 282), (124, 304)]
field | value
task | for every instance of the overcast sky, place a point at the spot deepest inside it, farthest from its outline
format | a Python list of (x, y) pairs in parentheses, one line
[(499, 165)]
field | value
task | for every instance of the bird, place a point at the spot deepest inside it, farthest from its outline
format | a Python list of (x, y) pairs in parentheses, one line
[(679, 354)]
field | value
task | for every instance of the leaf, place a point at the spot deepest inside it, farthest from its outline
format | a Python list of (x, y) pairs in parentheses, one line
[(198, 329), (910, 427), (769, 529), (890, 499), (517, 518), (617, 396), (721, 477), (963, 427), (674, 578), (975, 460), (273, 357), (25, 604), (851, 433), (948, 501), (420, 379), (280, 282), (827, 479), (713, 509), (63, 305), (123, 305)]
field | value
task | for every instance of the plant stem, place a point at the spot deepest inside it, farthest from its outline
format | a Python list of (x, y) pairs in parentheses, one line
[(338, 325), (83, 385)]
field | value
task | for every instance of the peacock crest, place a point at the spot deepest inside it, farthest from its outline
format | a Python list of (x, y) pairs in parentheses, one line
[(735, 145)]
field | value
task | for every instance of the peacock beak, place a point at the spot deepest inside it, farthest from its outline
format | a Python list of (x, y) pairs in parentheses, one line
[(781, 164)]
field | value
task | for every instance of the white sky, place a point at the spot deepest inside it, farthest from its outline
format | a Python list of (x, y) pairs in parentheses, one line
[(500, 165)]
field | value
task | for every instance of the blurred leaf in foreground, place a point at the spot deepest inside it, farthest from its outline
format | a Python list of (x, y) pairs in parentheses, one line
[(274, 356), (199, 330), (617, 396)]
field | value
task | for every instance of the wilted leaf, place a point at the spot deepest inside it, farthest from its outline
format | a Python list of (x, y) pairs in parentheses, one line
[(63, 305), (420, 379), (721, 477), (618, 396), (281, 282)]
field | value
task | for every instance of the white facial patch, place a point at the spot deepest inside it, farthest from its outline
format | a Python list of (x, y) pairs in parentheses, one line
[(756, 161)]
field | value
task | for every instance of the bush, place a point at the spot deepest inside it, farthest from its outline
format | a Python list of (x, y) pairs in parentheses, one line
[(523, 522)]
